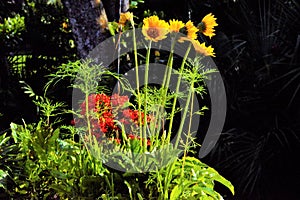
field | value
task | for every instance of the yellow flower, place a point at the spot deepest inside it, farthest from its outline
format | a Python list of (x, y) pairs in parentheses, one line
[(202, 49), (64, 25), (124, 17), (155, 29), (191, 30), (102, 21), (207, 25), (175, 25)]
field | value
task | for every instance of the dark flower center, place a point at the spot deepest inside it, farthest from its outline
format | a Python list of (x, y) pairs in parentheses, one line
[(202, 27), (153, 32), (183, 30)]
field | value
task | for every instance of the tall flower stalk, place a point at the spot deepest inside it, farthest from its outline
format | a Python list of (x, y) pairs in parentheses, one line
[(185, 111), (147, 120), (176, 94), (106, 117), (154, 30), (164, 90), (137, 80), (145, 93)]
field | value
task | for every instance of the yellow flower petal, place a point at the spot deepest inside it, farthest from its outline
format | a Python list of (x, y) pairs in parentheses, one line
[(191, 30), (155, 29), (202, 49), (175, 25), (124, 17), (207, 25)]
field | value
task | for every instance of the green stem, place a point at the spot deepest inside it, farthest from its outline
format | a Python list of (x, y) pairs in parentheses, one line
[(191, 90), (165, 86), (191, 117), (168, 179), (146, 93), (189, 135), (177, 91), (169, 65), (87, 114), (137, 79)]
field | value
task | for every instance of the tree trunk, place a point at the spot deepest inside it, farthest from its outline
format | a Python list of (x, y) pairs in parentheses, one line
[(88, 20), (112, 8), (87, 32)]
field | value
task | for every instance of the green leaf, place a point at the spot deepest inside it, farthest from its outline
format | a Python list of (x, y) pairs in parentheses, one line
[(61, 188), (129, 189), (176, 192), (211, 192), (112, 27), (225, 182), (14, 130), (3, 175), (3, 139), (54, 137), (140, 196)]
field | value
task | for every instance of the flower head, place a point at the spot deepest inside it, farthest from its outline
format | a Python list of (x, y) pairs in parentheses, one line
[(155, 29), (207, 25), (124, 17), (202, 49), (191, 30), (102, 21), (175, 25), (64, 25), (118, 100), (95, 102), (131, 136)]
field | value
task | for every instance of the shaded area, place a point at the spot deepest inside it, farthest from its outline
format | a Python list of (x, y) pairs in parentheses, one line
[(257, 48)]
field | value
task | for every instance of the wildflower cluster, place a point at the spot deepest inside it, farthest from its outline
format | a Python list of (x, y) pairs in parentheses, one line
[(106, 111), (155, 29), (147, 125)]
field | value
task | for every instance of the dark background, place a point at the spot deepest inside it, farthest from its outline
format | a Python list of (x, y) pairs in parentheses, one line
[(257, 53)]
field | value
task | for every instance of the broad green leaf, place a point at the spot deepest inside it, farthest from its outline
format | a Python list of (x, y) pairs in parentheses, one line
[(225, 182), (176, 192), (211, 192)]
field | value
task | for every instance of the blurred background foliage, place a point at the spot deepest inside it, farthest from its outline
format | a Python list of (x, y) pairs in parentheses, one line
[(35, 38), (257, 49)]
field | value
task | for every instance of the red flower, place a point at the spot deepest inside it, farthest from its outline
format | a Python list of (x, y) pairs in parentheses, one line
[(124, 121), (139, 138), (118, 141), (150, 118), (96, 102), (73, 122), (117, 100), (106, 124), (102, 100), (107, 114), (148, 142), (135, 114), (131, 136), (127, 113), (93, 103)]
